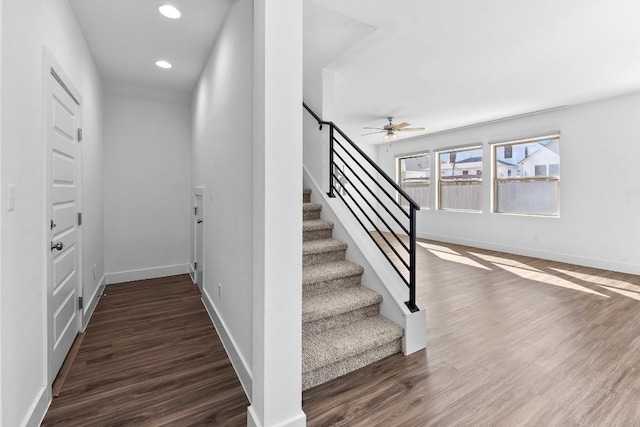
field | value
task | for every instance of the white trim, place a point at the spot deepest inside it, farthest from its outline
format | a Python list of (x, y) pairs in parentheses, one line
[(38, 409), (458, 148), (412, 154), (243, 371), (192, 273), (146, 273), (253, 420), (551, 256), (90, 306), (552, 135)]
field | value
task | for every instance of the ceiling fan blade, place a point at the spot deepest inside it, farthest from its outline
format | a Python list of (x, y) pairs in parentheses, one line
[(371, 133), (367, 127), (410, 129), (399, 125)]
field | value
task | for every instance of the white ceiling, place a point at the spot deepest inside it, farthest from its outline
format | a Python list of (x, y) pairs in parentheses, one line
[(127, 37), (438, 64), (445, 64)]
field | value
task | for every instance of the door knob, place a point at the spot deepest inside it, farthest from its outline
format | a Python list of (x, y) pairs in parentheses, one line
[(199, 221), (57, 246)]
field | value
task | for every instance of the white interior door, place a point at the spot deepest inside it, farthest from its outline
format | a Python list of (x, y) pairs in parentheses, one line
[(199, 241), (62, 121)]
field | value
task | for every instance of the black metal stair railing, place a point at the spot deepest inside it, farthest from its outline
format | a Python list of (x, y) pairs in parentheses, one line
[(376, 201)]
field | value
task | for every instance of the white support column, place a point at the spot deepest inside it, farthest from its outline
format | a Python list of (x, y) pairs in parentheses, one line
[(277, 296)]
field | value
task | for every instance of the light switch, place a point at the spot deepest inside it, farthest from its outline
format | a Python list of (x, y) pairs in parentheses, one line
[(11, 195)]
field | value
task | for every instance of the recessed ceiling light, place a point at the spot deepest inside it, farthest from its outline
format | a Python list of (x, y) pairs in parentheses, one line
[(169, 11), (163, 64)]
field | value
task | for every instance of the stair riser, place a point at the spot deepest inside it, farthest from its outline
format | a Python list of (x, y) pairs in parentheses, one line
[(339, 321), (317, 234), (343, 367), (311, 214), (322, 257), (330, 285), (306, 198)]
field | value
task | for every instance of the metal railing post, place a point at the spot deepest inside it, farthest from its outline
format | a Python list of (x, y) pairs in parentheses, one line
[(331, 168), (411, 304)]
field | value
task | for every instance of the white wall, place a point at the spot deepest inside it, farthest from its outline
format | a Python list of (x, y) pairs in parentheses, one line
[(223, 165), (247, 133), (1, 209), (147, 187), (599, 190), (28, 25)]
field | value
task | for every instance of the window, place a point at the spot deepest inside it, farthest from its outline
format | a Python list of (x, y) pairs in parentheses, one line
[(460, 179), (528, 180), (414, 174)]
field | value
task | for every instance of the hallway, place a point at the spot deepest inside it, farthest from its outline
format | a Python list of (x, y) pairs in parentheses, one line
[(150, 357)]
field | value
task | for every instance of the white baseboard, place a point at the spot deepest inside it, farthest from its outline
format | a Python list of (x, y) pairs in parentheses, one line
[(299, 420), (536, 253), (147, 273), (192, 273), (93, 302), (243, 370), (39, 408)]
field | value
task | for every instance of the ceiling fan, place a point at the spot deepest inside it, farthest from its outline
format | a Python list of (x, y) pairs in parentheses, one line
[(391, 129)]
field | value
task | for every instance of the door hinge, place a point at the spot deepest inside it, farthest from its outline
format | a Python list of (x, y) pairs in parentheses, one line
[(195, 210), (80, 303), (79, 134), (195, 265), (79, 218)]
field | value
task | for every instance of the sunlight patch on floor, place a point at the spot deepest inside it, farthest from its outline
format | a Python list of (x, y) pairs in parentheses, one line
[(549, 279), (438, 248), (458, 258), (630, 294), (601, 281), (503, 261)]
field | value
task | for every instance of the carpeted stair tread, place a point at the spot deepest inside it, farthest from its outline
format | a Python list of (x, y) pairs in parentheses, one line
[(334, 345), (320, 246), (330, 271), (316, 224), (338, 302), (311, 207)]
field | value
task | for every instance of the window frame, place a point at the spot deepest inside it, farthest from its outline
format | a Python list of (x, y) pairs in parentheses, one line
[(399, 181), (497, 179), (472, 179)]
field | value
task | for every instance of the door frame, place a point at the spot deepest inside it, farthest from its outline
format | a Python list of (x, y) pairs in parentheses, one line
[(52, 68), (198, 191)]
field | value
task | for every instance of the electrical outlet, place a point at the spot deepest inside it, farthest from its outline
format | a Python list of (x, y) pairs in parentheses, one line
[(219, 290)]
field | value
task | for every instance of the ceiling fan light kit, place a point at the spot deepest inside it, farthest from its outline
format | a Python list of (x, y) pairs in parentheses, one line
[(390, 136)]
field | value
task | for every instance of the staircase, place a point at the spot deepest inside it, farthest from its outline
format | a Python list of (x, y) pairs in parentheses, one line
[(342, 329)]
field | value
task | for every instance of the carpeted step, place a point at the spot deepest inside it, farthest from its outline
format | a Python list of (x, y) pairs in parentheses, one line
[(339, 308), (336, 352), (306, 195), (321, 251), (311, 211), (316, 229), (330, 276)]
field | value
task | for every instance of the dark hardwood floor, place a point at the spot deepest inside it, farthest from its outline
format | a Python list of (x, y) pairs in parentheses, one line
[(511, 341), (150, 357)]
